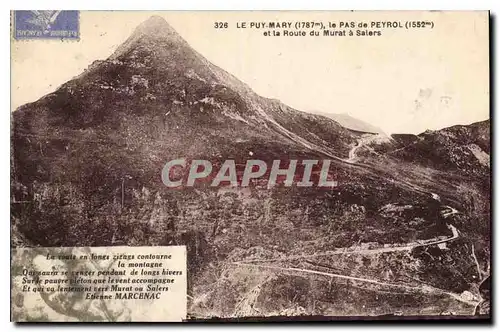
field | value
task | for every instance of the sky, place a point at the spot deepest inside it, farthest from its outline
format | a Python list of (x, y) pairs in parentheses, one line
[(404, 81)]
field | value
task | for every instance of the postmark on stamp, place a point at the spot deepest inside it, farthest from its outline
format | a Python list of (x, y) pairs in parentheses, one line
[(46, 24)]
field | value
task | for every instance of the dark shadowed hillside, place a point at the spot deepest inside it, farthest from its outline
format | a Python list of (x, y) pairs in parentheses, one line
[(462, 148)]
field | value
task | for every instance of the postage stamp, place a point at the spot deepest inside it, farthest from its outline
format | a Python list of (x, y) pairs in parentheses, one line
[(46, 24)]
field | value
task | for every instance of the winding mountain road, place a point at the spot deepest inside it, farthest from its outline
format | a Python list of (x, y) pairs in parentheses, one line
[(351, 160), (349, 250), (422, 289)]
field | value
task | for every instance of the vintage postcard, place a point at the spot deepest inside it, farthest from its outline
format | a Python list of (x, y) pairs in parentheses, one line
[(250, 166)]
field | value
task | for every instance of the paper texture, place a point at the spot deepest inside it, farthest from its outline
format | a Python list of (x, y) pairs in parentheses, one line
[(312, 165)]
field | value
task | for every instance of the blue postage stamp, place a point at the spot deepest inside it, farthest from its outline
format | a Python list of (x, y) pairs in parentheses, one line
[(46, 24)]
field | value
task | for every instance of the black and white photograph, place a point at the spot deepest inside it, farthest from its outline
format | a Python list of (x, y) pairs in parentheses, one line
[(250, 166)]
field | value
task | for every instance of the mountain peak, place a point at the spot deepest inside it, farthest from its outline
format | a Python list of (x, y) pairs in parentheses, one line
[(155, 26), (153, 30), (352, 123)]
